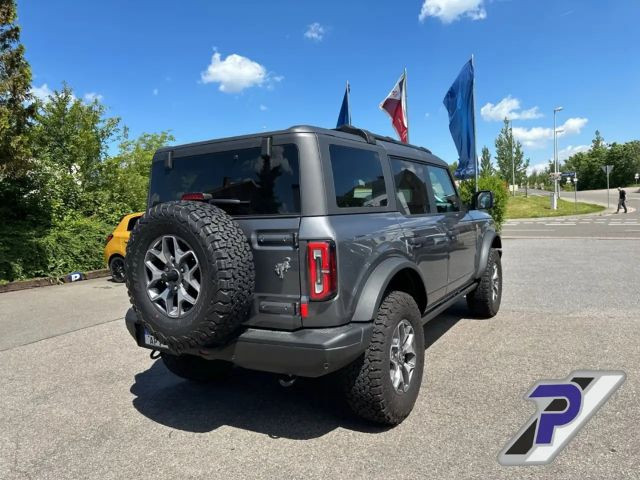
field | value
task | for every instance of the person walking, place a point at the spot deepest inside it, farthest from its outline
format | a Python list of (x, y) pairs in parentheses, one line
[(622, 198)]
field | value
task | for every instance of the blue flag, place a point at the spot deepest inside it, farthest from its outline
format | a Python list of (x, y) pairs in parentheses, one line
[(460, 105), (344, 118)]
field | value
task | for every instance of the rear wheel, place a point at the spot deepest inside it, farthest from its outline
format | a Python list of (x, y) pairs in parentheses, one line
[(484, 301), (383, 384), (116, 265), (196, 369)]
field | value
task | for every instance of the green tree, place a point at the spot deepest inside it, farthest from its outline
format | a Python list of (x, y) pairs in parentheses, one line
[(70, 139), (16, 108), (500, 195), (625, 159), (452, 168), (124, 179), (509, 154), (486, 169)]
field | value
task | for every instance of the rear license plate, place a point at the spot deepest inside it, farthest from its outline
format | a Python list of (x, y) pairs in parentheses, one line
[(150, 341)]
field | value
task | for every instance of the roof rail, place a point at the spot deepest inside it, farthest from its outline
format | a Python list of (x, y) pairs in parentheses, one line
[(398, 142), (367, 135)]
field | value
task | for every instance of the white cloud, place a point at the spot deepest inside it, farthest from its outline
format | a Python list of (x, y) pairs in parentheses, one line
[(92, 96), (538, 167), (43, 92), (236, 73), (537, 137), (448, 11), (263, 108), (315, 31), (567, 152), (508, 107), (155, 91)]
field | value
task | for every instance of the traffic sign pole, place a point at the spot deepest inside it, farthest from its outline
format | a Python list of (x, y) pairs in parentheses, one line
[(607, 169)]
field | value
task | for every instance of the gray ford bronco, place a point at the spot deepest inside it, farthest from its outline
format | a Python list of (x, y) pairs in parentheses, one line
[(305, 252)]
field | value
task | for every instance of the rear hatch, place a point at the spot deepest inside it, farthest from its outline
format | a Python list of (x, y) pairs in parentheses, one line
[(263, 196)]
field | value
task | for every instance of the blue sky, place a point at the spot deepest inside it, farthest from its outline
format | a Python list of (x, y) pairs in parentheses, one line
[(206, 69)]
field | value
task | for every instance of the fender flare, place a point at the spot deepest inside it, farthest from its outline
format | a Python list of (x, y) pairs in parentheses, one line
[(371, 295), (485, 248)]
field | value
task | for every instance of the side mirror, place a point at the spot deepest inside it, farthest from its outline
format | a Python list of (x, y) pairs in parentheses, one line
[(483, 200), (265, 147)]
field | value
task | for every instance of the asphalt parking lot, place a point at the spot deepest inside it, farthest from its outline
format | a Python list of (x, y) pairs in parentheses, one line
[(80, 400)]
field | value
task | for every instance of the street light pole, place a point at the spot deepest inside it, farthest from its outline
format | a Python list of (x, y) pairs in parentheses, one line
[(556, 192), (513, 162)]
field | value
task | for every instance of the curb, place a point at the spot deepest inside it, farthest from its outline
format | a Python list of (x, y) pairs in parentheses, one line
[(49, 281)]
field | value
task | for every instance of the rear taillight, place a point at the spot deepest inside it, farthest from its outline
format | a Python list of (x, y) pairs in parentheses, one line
[(196, 197), (109, 237), (321, 257)]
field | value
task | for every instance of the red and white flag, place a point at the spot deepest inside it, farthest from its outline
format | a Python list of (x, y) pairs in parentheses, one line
[(396, 107)]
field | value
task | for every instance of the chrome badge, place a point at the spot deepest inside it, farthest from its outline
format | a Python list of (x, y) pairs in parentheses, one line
[(283, 267)]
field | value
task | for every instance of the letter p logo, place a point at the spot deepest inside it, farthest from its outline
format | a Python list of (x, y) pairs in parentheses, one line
[(564, 406), (572, 396)]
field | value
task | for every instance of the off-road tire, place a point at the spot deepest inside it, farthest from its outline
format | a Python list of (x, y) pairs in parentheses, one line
[(196, 369), (481, 301), (227, 274), (117, 274), (367, 383)]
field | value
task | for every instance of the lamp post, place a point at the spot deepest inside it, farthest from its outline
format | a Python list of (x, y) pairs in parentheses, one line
[(513, 162), (556, 192)]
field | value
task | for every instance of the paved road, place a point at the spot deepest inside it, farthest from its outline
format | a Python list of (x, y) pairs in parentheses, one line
[(608, 225), (80, 400)]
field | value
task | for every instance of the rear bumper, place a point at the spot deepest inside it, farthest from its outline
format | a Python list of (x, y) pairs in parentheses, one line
[(308, 352)]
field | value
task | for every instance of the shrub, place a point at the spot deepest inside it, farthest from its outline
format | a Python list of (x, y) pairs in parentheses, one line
[(74, 243), (500, 195)]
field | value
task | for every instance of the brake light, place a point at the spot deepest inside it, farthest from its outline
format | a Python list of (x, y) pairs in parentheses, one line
[(196, 197), (109, 237), (321, 257)]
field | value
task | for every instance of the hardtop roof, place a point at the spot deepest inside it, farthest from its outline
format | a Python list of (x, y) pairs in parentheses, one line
[(392, 146)]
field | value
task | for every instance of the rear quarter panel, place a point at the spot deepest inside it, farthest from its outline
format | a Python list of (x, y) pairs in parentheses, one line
[(363, 241)]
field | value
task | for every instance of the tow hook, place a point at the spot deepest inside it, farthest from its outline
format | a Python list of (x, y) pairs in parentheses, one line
[(287, 381)]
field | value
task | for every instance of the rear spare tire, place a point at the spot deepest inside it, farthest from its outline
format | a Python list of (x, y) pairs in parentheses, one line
[(190, 274)]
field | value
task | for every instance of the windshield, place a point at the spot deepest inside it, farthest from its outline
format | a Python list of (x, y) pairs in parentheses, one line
[(257, 186)]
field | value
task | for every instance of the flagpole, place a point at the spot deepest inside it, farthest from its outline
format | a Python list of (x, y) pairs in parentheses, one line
[(406, 99), (348, 103), (475, 141)]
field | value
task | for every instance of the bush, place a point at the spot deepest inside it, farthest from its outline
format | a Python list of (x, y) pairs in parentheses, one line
[(500, 195), (29, 250)]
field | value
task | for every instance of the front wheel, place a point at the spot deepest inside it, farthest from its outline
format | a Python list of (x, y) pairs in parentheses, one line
[(484, 301), (383, 384)]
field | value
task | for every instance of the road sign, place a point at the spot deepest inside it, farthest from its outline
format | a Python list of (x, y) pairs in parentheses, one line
[(637, 176), (568, 174)]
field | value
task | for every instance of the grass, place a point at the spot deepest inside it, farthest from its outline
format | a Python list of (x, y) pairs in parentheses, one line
[(540, 206)]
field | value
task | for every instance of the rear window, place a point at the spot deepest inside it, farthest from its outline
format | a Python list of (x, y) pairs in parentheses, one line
[(357, 177), (132, 223), (255, 186)]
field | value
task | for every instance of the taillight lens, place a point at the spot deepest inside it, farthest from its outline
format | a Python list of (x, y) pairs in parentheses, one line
[(109, 237), (196, 197), (321, 257)]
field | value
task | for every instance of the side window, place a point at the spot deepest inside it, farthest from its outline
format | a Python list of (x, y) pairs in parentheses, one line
[(357, 177), (443, 190), (411, 190)]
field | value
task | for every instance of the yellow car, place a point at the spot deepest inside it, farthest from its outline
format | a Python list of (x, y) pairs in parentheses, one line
[(116, 246)]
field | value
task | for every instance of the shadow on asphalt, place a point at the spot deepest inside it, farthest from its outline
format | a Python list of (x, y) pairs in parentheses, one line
[(255, 401)]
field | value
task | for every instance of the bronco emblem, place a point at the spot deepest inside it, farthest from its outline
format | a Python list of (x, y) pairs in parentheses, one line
[(283, 267)]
